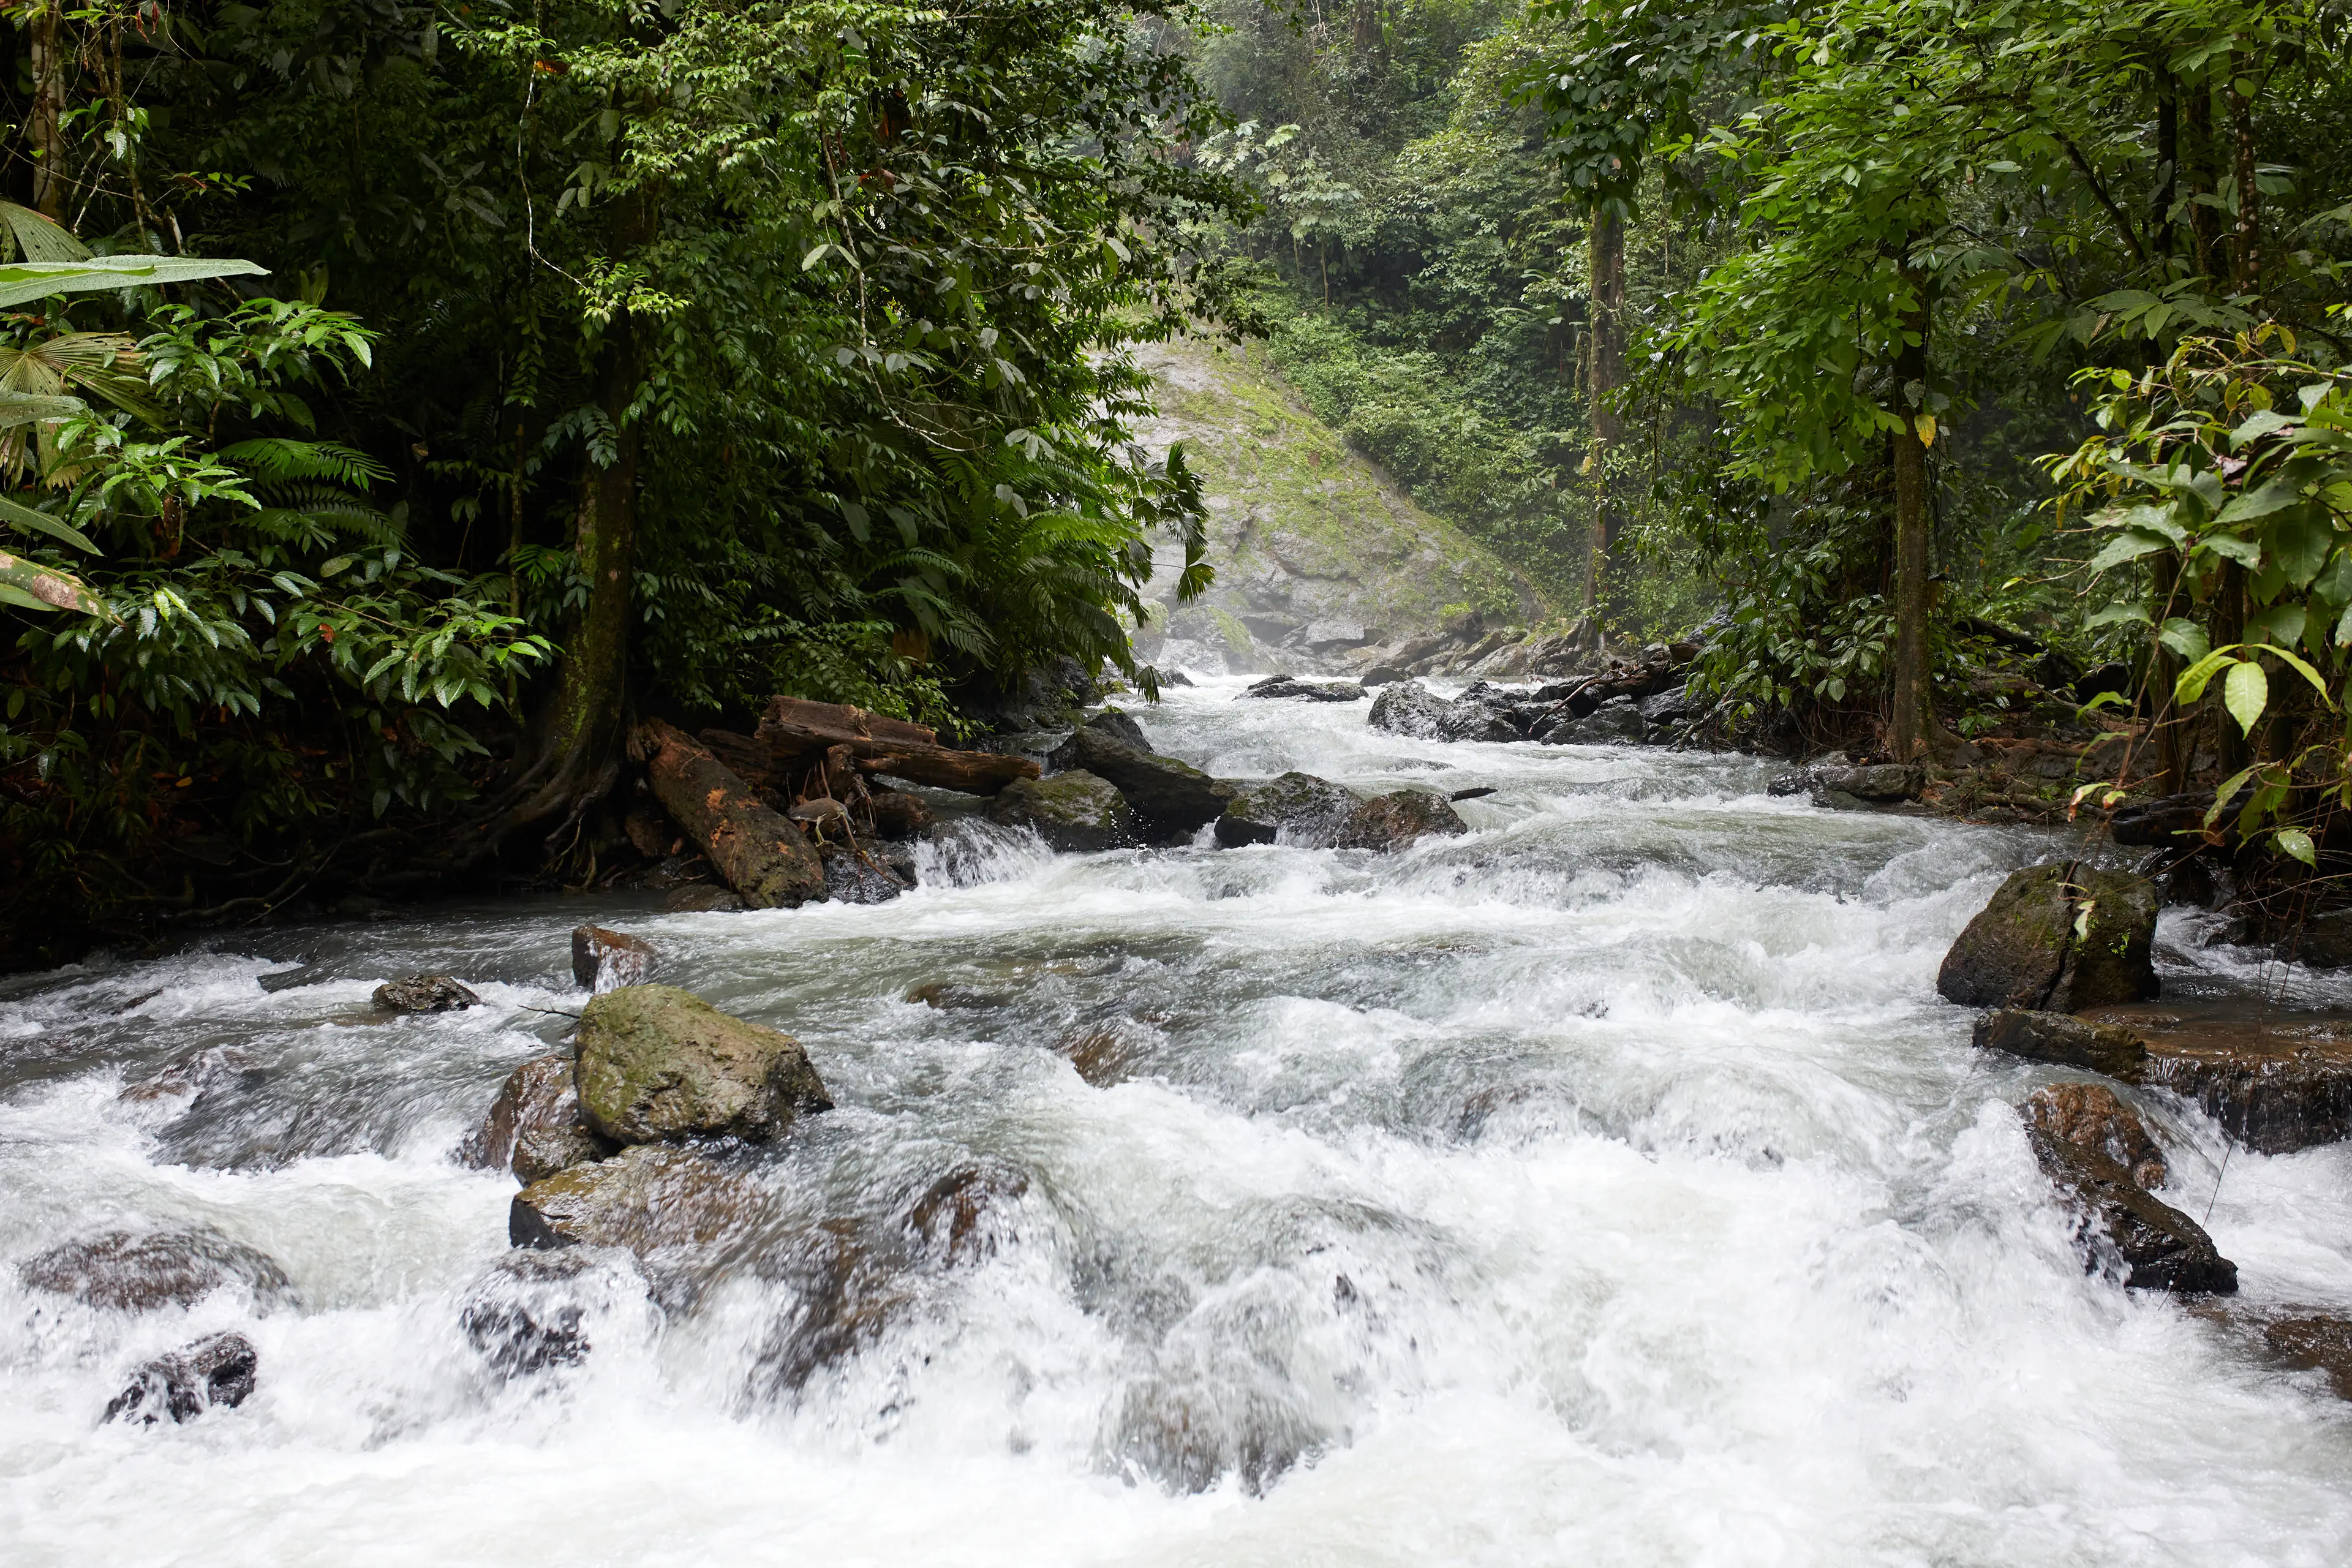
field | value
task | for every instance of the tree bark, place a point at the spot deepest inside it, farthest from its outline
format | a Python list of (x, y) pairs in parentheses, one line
[(45, 126), (797, 734), (763, 856), (2197, 160), (1608, 351), (1911, 711), (2245, 244)]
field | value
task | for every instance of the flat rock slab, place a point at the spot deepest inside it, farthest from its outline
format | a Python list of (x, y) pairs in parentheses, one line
[(657, 1063), (2276, 1084), (2063, 1040)]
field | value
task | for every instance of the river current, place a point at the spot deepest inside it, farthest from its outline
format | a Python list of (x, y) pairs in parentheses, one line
[(1606, 1186)]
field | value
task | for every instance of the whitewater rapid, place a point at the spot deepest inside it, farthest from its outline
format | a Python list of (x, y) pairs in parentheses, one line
[(1606, 1186)]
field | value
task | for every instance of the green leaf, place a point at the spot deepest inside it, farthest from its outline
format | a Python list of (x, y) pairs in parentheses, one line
[(2244, 552), (2294, 841), (2192, 684), (2121, 611), (42, 522), (22, 282), (2301, 668), (2129, 545), (2245, 693), (2186, 639), (2281, 624), (2299, 543), (2275, 496)]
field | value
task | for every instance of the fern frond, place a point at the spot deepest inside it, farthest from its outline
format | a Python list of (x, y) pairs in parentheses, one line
[(275, 457)]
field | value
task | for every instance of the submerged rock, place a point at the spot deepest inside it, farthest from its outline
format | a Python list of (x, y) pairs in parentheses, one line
[(948, 996), (958, 1217), (606, 960), (2090, 1114), (219, 1369), (1073, 811), (703, 898), (2057, 938), (1399, 818), (424, 993), (1311, 811), (1281, 688), (2063, 1039), (531, 1311), (534, 1127), (127, 1272), (2276, 1084), (2152, 1245), (2315, 1344), (657, 1062), (868, 873), (1170, 799), (651, 1199)]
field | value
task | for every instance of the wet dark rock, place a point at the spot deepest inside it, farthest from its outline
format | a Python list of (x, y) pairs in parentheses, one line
[(899, 814), (2321, 942), (2276, 1084), (198, 1072), (1311, 812), (1667, 709), (1170, 799), (653, 1199), (1074, 811), (531, 1311), (947, 995), (703, 898), (1102, 1056), (424, 993), (1616, 723), (2057, 938), (217, 1370), (871, 873), (534, 1127), (2091, 1115), (657, 1062), (1412, 708), (959, 1218), (126, 1271), (1285, 688), (2315, 1344), (606, 960), (2153, 1246), (1173, 677), (2160, 821), (1879, 782), (1113, 723), (1399, 818), (287, 979), (1383, 675), (841, 1299), (1475, 791), (2063, 1039)]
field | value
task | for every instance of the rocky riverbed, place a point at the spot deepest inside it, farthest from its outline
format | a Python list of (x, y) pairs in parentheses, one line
[(1594, 1172)]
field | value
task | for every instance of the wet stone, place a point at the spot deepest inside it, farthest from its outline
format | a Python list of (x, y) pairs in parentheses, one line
[(2123, 1231), (703, 898), (839, 1296), (2091, 1115), (2315, 1344), (653, 1200), (1285, 688), (870, 873), (424, 993), (2064, 1040), (1075, 811), (657, 1062), (1300, 808), (533, 1309), (605, 960), (534, 1126), (1398, 819), (196, 1073), (899, 814), (960, 1217), (2274, 1084), (2057, 938), (1170, 799), (125, 1271), (218, 1370), (948, 996)]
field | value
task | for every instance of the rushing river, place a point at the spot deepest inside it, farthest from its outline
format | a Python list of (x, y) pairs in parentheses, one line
[(1607, 1186)]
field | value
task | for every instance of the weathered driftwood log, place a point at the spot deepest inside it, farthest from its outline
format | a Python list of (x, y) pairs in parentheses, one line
[(762, 856), (800, 734)]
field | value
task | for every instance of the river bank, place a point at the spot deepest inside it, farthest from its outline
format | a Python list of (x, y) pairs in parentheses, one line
[(1607, 1181)]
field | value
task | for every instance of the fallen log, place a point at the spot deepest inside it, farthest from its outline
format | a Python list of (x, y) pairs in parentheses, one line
[(799, 734), (762, 856)]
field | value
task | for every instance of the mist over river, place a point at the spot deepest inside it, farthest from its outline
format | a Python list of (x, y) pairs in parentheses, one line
[(1606, 1186)]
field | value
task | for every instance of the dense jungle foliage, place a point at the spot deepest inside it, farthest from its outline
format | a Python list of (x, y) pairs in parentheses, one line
[(399, 398)]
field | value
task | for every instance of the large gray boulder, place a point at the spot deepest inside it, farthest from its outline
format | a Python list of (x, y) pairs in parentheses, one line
[(1170, 799), (657, 1063), (1076, 811), (1616, 723), (1401, 817), (534, 1127), (1307, 811), (2057, 938), (2152, 1245), (127, 1271), (1412, 708)]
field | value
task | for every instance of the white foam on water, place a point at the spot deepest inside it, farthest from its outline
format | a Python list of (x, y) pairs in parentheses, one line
[(1606, 1186)]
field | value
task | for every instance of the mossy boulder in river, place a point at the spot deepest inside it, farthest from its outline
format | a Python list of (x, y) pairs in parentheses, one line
[(652, 1201), (1170, 799), (656, 1063), (1311, 811), (1074, 810), (2057, 938), (1399, 818)]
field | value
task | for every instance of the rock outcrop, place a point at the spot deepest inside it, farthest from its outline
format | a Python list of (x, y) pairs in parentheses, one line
[(534, 1127), (217, 1370), (1170, 799), (2063, 1040), (423, 993), (651, 1199), (2057, 938), (1285, 688), (2275, 1083), (1073, 810), (657, 1063), (1299, 807), (126, 1271), (605, 960), (1410, 708), (1400, 818), (2151, 1245), (2091, 1115)]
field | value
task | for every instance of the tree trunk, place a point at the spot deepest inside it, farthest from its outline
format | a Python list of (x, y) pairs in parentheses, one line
[(45, 127), (2197, 160), (2245, 240), (1911, 708), (763, 856), (1608, 350)]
